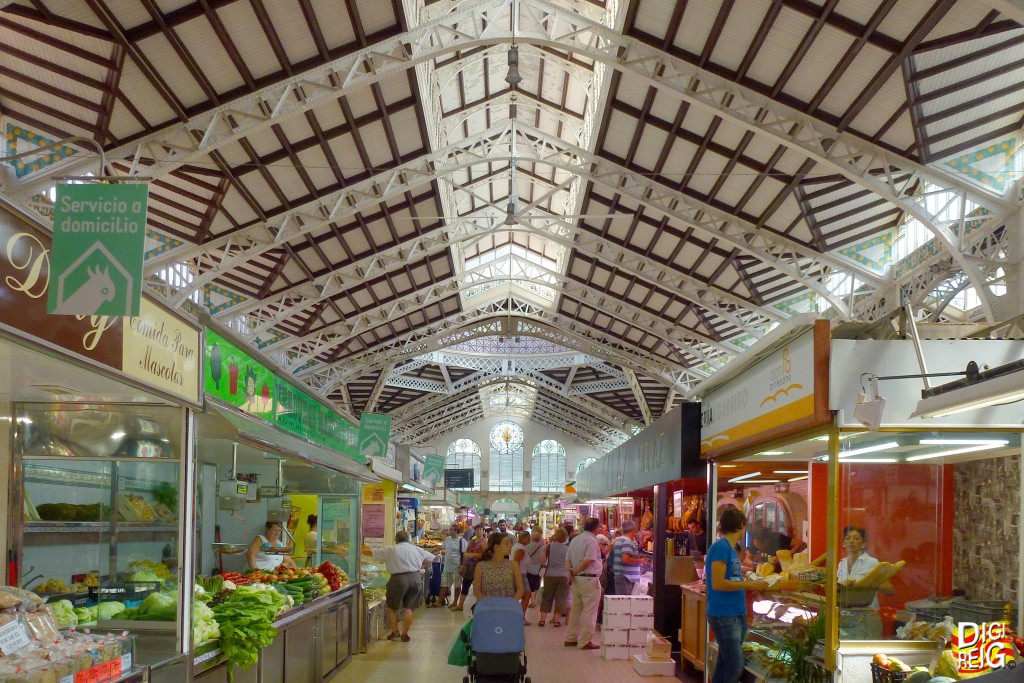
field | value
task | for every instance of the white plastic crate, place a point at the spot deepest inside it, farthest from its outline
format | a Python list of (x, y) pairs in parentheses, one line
[(646, 666), (645, 622), (641, 604), (618, 604), (638, 637), (611, 636), (612, 652), (617, 620)]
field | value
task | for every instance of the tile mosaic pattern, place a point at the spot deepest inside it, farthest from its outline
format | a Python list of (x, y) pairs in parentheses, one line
[(986, 536)]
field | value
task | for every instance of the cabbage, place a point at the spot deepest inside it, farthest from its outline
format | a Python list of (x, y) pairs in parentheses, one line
[(107, 610), (146, 576), (155, 602)]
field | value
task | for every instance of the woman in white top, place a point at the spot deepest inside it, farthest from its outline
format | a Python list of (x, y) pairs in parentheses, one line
[(859, 623), (520, 555), (271, 538), (309, 540)]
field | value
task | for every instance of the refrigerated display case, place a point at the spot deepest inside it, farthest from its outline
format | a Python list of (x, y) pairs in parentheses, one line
[(98, 487)]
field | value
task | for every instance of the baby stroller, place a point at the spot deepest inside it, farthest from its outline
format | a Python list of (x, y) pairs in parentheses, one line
[(497, 642)]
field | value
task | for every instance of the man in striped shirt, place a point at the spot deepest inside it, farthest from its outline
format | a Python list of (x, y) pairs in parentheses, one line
[(626, 559)]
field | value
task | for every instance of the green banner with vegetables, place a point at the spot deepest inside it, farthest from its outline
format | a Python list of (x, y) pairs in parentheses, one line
[(238, 379)]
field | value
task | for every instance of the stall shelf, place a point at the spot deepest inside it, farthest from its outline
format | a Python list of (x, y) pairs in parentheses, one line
[(312, 643)]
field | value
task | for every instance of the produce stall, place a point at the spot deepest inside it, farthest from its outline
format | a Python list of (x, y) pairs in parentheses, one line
[(868, 539), (324, 596), (262, 468)]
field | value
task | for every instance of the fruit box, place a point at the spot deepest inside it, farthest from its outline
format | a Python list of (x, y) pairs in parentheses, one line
[(617, 604), (658, 647), (614, 620), (645, 666)]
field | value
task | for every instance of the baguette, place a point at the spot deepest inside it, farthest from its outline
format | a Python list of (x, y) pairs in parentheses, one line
[(873, 578)]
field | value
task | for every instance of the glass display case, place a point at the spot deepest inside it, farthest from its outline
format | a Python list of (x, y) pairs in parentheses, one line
[(98, 488), (783, 632)]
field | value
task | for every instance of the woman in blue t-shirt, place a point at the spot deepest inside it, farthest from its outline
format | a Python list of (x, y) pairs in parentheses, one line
[(727, 603)]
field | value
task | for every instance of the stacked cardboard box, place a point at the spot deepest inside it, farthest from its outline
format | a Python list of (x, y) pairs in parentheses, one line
[(628, 619), (650, 653)]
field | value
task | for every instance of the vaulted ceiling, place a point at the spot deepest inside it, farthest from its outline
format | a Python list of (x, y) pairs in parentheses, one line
[(359, 191)]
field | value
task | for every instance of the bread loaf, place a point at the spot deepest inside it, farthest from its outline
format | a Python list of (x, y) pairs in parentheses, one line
[(882, 573), (785, 559)]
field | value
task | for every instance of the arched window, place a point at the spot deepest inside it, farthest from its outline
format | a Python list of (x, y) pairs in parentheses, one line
[(548, 467), (506, 457), (464, 454), (585, 464)]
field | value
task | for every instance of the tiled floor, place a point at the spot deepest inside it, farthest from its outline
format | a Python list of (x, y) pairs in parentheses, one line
[(424, 658)]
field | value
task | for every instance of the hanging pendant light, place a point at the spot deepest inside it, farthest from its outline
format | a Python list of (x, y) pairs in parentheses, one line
[(510, 215), (513, 77)]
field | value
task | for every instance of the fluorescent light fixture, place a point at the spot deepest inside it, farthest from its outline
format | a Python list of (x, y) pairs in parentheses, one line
[(725, 467), (962, 442), (970, 446), (875, 460), (1003, 384), (762, 481), (800, 478), (774, 452), (744, 476), (824, 458), (117, 435), (868, 449), (789, 471)]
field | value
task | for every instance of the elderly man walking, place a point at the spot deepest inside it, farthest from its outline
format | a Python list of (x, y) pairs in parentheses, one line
[(583, 562), (626, 559), (403, 561)]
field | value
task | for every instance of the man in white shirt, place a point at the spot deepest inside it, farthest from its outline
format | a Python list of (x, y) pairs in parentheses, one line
[(403, 561), (583, 562)]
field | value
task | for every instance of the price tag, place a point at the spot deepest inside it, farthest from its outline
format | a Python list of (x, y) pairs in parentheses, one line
[(206, 656), (126, 662), (13, 637)]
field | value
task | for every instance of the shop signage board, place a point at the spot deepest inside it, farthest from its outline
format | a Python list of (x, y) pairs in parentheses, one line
[(433, 470), (373, 493), (651, 457), (458, 479), (373, 520), (783, 393), (99, 237), (374, 433), (162, 351), (235, 377), (336, 512), (466, 500), (154, 348)]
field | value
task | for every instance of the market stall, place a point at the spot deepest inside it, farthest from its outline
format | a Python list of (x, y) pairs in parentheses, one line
[(277, 526), (95, 430), (864, 536), (637, 475)]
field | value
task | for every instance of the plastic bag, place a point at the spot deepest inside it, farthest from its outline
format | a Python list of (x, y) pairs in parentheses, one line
[(459, 654)]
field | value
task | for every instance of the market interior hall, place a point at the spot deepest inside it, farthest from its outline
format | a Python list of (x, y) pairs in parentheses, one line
[(709, 314)]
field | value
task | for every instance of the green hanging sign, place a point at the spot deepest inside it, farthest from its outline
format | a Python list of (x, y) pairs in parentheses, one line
[(99, 236), (374, 432)]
